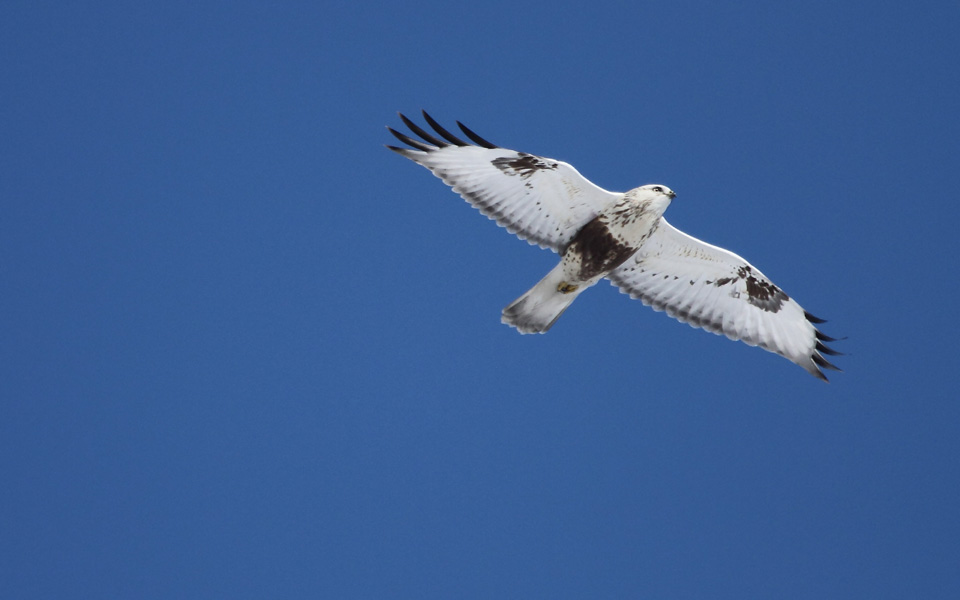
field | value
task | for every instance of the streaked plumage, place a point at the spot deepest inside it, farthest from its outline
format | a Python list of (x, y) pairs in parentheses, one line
[(620, 236)]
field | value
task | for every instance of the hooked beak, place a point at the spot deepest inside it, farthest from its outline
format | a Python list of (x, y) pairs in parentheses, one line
[(672, 194)]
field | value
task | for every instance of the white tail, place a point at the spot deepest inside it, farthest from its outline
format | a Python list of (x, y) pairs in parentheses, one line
[(538, 309)]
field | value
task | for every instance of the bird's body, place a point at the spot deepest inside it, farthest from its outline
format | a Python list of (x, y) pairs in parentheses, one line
[(600, 246), (619, 236)]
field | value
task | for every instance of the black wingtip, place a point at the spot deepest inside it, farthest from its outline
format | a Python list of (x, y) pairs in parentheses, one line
[(826, 338), (476, 139), (421, 132), (824, 363), (432, 141), (406, 139), (443, 132), (824, 349), (821, 347)]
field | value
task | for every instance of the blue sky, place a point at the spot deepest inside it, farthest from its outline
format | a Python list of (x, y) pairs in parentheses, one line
[(249, 353)]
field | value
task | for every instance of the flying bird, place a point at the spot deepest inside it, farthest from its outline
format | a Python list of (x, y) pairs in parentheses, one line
[(622, 237)]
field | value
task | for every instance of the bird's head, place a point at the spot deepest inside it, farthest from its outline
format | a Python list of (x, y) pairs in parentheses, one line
[(659, 196), (655, 189)]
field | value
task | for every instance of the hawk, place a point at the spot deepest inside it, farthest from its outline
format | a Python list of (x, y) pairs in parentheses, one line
[(622, 237)]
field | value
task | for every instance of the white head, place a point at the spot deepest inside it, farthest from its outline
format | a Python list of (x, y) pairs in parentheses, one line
[(657, 190), (655, 196)]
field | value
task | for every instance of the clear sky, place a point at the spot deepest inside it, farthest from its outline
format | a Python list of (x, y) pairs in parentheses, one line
[(246, 352)]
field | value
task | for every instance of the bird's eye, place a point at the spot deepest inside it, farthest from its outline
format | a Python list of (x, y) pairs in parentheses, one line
[(658, 189)]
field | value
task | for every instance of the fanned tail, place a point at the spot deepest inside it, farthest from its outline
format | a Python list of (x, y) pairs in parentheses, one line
[(537, 310)]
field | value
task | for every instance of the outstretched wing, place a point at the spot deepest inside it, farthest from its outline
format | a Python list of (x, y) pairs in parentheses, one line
[(541, 200), (717, 290)]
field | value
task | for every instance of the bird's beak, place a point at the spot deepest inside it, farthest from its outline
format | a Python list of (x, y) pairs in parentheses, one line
[(672, 194)]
